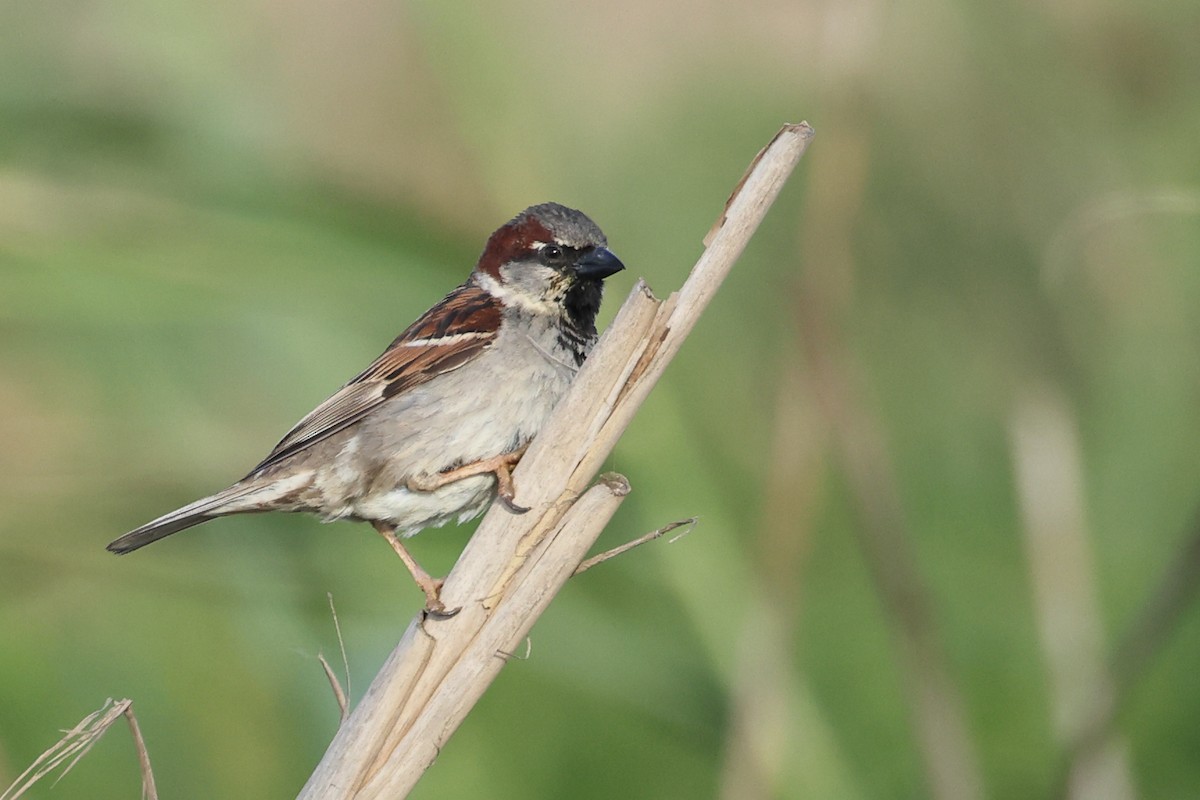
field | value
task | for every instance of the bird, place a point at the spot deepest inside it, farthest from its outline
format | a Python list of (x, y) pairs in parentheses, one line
[(429, 432)]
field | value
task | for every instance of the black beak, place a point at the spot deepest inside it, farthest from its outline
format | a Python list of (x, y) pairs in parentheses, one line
[(598, 265)]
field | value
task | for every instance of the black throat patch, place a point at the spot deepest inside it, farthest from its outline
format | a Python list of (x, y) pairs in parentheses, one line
[(581, 304)]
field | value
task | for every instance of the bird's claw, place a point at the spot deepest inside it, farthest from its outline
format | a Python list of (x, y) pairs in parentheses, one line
[(512, 505), (436, 609)]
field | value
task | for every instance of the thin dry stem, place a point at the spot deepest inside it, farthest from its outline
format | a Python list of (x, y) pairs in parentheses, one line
[(338, 695), (600, 558), (149, 789), (507, 656), (514, 565)]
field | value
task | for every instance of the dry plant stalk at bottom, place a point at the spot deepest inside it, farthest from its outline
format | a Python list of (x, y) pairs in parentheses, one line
[(513, 566), (76, 743)]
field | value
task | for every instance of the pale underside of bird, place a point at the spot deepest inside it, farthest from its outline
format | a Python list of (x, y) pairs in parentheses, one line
[(429, 432)]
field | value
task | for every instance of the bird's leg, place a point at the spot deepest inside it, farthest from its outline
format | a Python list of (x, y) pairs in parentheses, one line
[(501, 466), (431, 586)]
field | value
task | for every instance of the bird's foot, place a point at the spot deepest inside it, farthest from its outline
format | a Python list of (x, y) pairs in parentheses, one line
[(501, 466)]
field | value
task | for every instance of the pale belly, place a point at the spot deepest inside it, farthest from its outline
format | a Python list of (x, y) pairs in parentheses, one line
[(413, 511)]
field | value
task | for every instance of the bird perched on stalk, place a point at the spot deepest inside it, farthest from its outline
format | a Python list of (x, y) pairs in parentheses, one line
[(430, 431)]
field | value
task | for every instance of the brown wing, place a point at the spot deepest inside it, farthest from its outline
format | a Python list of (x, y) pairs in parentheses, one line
[(446, 337)]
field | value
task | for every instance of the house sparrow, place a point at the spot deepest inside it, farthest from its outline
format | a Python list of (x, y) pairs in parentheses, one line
[(430, 431)]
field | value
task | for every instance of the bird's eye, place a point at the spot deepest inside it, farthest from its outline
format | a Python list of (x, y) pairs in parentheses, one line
[(552, 254)]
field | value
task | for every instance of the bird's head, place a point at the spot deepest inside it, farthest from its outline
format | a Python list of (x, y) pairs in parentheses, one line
[(549, 260)]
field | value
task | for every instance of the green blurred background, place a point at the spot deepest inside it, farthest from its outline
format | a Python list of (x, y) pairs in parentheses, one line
[(939, 426)]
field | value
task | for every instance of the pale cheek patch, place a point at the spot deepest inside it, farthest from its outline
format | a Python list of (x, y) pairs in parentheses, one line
[(536, 293)]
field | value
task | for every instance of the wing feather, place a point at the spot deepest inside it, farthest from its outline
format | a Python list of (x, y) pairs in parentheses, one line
[(445, 338)]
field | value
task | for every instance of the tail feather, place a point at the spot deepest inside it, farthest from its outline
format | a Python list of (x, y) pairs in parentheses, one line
[(204, 509)]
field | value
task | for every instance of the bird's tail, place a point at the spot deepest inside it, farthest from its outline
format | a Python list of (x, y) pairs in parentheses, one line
[(227, 501)]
